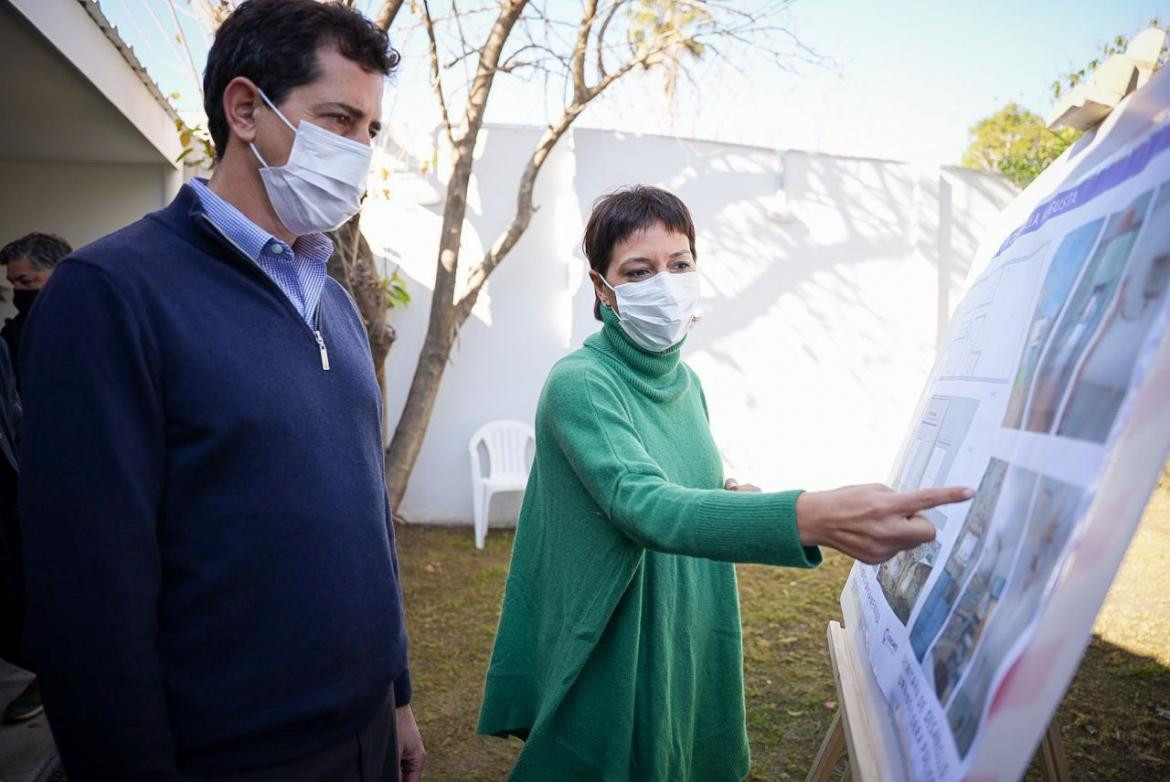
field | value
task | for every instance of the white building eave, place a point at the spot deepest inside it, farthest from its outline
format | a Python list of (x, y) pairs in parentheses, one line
[(81, 33)]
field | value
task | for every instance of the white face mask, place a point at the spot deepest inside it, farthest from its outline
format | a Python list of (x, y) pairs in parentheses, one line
[(321, 185), (657, 313)]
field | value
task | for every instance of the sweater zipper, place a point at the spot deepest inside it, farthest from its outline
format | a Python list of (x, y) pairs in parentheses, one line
[(321, 342), (318, 336)]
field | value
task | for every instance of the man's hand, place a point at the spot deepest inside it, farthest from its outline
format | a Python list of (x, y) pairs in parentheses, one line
[(411, 753), (731, 484), (871, 523)]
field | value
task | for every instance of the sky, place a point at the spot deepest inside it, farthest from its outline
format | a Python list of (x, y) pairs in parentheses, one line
[(903, 79)]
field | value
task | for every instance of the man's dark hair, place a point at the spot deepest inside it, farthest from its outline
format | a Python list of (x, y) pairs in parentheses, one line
[(43, 251), (274, 43), (619, 215)]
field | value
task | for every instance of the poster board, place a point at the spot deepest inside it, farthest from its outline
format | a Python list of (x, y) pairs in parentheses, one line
[(1051, 395)]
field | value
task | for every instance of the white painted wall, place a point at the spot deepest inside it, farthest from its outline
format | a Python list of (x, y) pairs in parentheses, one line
[(87, 145), (826, 280), (79, 202)]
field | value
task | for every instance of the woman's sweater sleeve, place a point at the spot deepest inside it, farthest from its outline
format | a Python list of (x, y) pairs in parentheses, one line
[(593, 430)]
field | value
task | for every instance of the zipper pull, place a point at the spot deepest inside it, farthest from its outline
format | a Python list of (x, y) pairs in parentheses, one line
[(324, 352)]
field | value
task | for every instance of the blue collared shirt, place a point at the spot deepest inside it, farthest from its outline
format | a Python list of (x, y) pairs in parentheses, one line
[(299, 271)]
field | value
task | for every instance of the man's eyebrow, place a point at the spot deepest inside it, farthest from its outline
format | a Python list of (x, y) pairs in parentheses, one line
[(352, 111)]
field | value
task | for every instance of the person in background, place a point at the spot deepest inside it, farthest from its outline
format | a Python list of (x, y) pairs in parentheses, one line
[(619, 654), (212, 579), (29, 262), (27, 704)]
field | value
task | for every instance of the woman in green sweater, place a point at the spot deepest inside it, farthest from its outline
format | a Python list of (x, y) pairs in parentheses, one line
[(619, 653)]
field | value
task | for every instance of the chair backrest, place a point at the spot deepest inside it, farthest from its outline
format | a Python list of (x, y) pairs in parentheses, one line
[(507, 445)]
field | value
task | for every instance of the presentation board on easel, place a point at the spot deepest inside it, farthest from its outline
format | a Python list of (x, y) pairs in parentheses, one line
[(1051, 396)]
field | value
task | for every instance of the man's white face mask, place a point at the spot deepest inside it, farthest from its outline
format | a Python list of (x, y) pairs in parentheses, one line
[(321, 185), (657, 313)]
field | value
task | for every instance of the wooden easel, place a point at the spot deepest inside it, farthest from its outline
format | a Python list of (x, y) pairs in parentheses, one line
[(851, 737)]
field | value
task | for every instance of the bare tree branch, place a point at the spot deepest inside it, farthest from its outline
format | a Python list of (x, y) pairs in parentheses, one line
[(601, 37), (579, 49), (436, 71), (552, 55), (524, 203), (388, 13), (489, 59)]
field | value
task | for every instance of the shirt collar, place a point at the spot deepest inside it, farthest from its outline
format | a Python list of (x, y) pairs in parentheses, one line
[(251, 238)]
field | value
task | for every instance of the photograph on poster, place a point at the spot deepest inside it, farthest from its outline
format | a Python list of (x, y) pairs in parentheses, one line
[(947, 659), (1083, 315), (933, 448), (1054, 513), (903, 577), (1002, 490), (1103, 378), (1062, 274)]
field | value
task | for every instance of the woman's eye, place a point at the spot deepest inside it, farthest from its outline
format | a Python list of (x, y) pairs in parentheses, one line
[(637, 273)]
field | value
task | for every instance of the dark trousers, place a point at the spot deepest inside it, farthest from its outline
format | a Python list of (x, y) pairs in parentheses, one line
[(370, 756), (12, 595)]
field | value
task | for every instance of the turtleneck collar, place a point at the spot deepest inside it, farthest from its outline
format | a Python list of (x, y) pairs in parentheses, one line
[(659, 375)]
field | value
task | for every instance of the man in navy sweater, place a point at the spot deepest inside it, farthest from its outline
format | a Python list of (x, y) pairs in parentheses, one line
[(212, 579)]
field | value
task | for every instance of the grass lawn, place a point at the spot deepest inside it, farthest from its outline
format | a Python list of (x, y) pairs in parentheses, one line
[(1115, 718)]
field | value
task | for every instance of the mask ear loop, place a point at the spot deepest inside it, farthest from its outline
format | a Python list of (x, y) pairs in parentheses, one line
[(605, 282), (275, 110), (283, 119)]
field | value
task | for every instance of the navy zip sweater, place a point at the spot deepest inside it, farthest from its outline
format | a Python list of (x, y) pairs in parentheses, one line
[(212, 578)]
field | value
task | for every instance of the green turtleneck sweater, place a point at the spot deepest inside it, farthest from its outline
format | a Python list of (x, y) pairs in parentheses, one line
[(619, 654)]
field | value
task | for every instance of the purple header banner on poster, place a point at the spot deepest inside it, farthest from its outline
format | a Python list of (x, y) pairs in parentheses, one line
[(1104, 180)]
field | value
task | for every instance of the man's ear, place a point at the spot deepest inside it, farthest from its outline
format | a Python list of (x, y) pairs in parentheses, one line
[(241, 101)]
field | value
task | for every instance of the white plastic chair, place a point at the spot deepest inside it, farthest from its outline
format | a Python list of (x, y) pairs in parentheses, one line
[(508, 462)]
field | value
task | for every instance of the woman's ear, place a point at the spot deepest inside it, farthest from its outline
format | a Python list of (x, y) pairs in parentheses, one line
[(601, 290)]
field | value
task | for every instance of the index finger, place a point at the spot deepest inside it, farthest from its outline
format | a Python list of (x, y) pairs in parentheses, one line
[(912, 502)]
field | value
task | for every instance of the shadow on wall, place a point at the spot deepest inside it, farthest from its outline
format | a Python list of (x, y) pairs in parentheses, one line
[(517, 330), (823, 293)]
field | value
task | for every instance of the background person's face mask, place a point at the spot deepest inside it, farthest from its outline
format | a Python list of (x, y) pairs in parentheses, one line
[(23, 299), (657, 313), (321, 185)]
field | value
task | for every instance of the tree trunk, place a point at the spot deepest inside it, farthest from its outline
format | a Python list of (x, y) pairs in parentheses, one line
[(443, 323), (352, 265), (407, 441)]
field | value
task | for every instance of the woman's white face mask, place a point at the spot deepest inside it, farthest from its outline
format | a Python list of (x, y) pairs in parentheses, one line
[(321, 185), (657, 313)]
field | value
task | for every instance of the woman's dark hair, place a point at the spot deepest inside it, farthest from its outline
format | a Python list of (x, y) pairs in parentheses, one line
[(619, 215), (43, 251), (274, 43)]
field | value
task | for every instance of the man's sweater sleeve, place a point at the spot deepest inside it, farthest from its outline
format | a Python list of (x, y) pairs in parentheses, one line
[(594, 431), (92, 475)]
